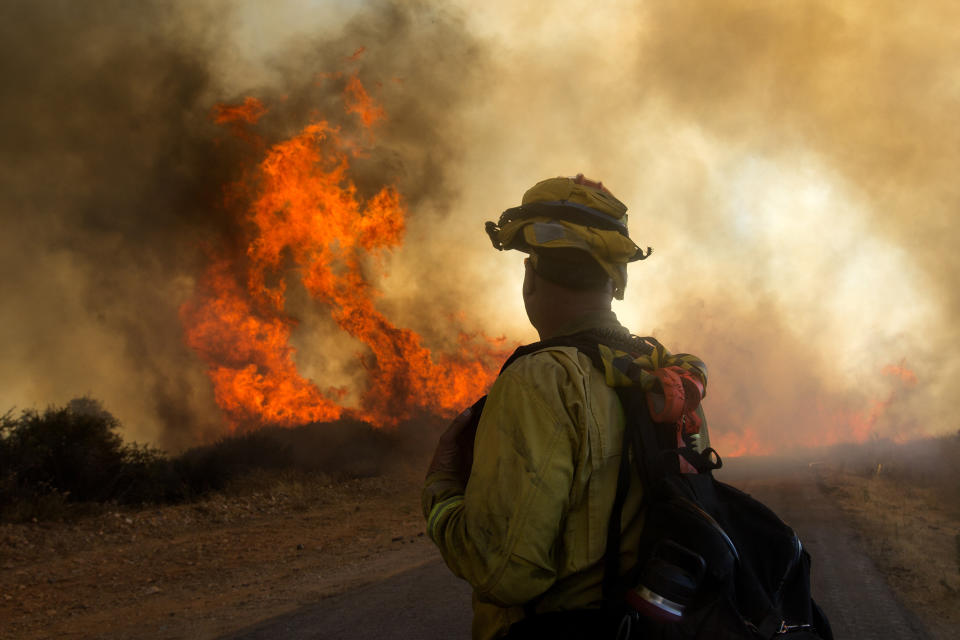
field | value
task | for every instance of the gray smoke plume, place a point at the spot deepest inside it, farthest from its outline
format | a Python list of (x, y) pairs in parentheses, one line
[(115, 173), (792, 164)]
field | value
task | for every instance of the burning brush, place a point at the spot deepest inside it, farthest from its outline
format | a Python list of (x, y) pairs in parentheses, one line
[(301, 213)]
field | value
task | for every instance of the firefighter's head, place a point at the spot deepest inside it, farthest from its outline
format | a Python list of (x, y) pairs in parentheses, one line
[(575, 232), (552, 302)]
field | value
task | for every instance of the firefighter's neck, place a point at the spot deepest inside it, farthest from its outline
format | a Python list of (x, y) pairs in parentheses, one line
[(551, 307)]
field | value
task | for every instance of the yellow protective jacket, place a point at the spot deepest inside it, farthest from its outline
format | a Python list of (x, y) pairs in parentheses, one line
[(530, 526)]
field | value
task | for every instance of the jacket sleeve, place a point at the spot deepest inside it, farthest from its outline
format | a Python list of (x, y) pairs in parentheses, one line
[(501, 533)]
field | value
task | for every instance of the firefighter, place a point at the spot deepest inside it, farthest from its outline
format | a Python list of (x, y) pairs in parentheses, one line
[(524, 518)]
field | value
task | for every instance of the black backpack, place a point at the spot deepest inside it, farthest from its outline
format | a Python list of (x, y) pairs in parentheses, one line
[(714, 563)]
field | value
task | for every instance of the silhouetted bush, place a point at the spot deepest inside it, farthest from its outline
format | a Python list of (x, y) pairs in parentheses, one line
[(70, 454), (212, 467), (51, 461), (345, 448)]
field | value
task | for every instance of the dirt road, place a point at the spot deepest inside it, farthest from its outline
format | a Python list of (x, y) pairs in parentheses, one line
[(428, 602), (845, 581)]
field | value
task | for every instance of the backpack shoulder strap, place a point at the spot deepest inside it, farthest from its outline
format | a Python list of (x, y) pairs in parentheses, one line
[(578, 340), (587, 342)]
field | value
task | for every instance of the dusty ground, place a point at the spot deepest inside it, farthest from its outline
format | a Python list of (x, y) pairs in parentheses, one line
[(276, 544), (913, 535), (199, 570)]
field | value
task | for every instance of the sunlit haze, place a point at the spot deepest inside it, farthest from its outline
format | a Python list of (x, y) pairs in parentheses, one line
[(791, 164)]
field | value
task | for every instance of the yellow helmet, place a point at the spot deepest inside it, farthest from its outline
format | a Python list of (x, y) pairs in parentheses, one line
[(571, 214)]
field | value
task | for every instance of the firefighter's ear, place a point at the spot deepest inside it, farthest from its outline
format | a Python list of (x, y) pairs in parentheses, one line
[(529, 279)]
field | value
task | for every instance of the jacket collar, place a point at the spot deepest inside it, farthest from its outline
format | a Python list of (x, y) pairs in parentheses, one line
[(592, 320)]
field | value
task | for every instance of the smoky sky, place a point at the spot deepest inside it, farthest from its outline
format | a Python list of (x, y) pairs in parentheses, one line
[(109, 168), (866, 93), (870, 89), (792, 164), (114, 181)]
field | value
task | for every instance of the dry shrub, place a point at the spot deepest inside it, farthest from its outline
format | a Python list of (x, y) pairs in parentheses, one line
[(68, 455), (54, 462)]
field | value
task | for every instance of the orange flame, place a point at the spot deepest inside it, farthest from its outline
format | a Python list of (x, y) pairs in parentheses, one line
[(358, 101), (734, 445), (249, 112), (304, 214)]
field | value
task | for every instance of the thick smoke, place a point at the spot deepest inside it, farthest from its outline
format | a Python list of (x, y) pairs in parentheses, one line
[(863, 94), (868, 90), (115, 177), (110, 171), (792, 164)]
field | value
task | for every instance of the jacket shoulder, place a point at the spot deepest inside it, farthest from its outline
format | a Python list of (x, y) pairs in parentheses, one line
[(555, 373), (567, 358)]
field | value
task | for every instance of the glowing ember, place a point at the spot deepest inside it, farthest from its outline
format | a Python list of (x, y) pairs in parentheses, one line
[(304, 215)]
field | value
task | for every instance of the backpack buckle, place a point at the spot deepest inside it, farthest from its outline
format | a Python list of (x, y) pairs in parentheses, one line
[(790, 628)]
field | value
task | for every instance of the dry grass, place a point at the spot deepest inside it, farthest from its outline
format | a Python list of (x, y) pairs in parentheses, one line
[(904, 501), (269, 543)]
